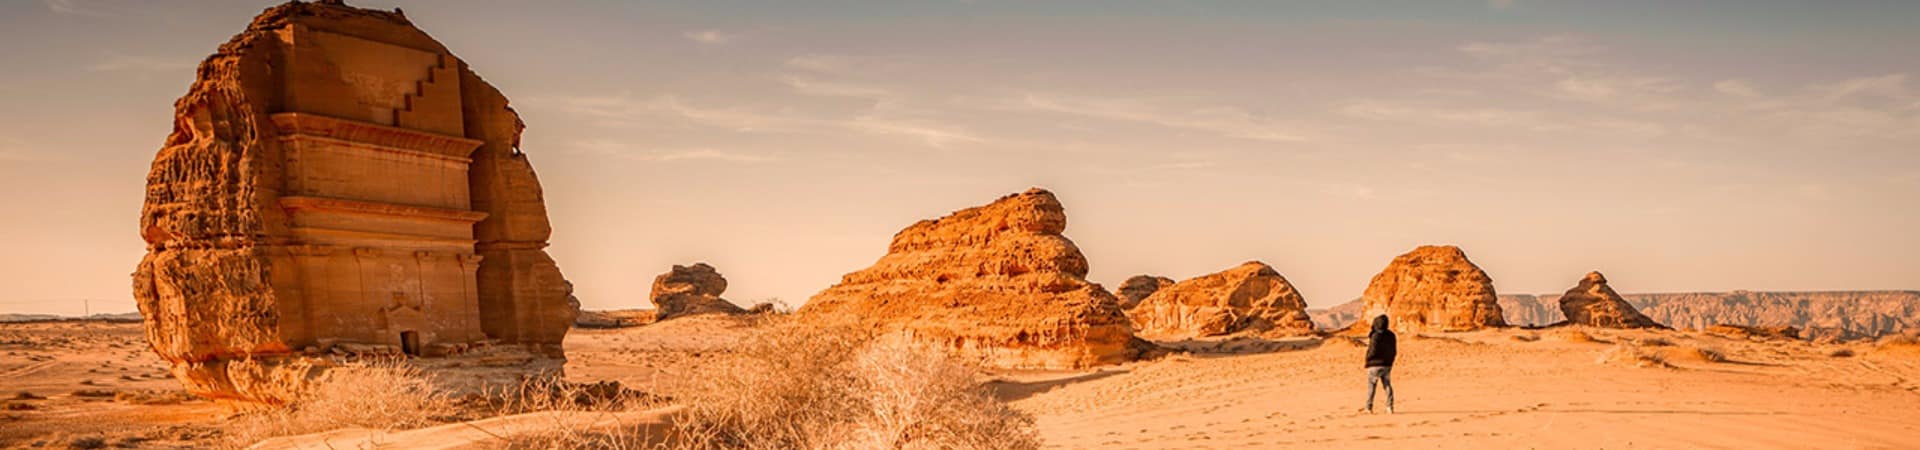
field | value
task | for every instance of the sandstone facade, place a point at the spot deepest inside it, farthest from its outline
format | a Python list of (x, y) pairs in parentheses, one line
[(336, 178), (1432, 288), (1138, 288), (689, 290), (1593, 303), (998, 283), (1250, 297)]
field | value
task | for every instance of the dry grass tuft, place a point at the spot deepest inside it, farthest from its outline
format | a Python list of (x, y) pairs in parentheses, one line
[(1569, 335), (1694, 354), (1633, 355), (797, 387), (383, 395)]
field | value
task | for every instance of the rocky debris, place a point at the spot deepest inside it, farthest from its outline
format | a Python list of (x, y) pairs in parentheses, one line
[(690, 290), (1593, 303), (1754, 332), (335, 174), (997, 283), (1135, 289), (618, 318), (1432, 288), (1249, 297)]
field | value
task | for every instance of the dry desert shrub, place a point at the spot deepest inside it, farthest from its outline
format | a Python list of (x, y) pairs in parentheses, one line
[(1695, 354), (1569, 335), (1633, 355), (556, 400), (1841, 352), (1905, 344), (797, 387), (382, 395)]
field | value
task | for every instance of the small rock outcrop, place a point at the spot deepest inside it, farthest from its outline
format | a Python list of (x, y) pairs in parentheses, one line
[(1138, 288), (996, 283), (690, 290), (1593, 303), (1249, 297), (1432, 288)]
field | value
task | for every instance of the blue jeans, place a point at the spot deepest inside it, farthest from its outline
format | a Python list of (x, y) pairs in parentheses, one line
[(1383, 376)]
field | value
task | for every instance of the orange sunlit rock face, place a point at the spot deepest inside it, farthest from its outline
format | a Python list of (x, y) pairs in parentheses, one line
[(1248, 297), (997, 283), (1432, 288), (336, 179)]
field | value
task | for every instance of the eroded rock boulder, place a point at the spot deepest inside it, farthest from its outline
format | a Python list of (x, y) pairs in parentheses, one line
[(997, 283), (1593, 303), (1138, 288), (690, 290), (1249, 297), (1432, 288), (336, 180)]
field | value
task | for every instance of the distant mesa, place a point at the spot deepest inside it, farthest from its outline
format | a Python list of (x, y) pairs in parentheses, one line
[(1248, 297), (1593, 303), (1139, 287), (690, 290), (1432, 288), (996, 283), (337, 182)]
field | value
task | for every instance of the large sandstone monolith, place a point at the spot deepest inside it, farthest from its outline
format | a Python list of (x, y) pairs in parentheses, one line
[(690, 290), (1432, 288), (1249, 297), (1593, 303), (997, 283), (1135, 289), (338, 182)]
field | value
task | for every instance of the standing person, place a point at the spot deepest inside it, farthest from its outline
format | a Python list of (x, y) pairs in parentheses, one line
[(1381, 348)]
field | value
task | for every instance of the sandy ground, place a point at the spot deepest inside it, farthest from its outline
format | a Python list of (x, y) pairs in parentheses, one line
[(1494, 389), (1491, 390), (61, 381)]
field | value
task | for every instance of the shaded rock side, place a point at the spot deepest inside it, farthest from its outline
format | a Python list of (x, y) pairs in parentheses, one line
[(1138, 288), (1432, 288), (1249, 297), (335, 176), (1593, 303), (998, 283), (690, 290)]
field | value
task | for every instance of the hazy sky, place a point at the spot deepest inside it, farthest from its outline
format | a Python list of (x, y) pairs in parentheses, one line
[(1699, 146)]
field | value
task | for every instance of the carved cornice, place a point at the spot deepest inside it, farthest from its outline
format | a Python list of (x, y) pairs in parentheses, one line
[(297, 125), (341, 205)]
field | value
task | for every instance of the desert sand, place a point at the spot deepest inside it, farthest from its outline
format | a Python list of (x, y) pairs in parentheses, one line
[(1503, 388)]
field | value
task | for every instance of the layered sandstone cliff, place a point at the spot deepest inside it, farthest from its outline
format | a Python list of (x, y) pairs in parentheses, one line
[(1593, 303), (997, 283), (1821, 315), (690, 290), (1249, 297), (1432, 288), (335, 179)]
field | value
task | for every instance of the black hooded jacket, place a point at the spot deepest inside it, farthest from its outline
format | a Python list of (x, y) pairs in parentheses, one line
[(1381, 346)]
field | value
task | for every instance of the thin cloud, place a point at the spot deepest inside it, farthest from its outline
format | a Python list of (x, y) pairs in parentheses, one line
[(1223, 121), (141, 64), (710, 37), (613, 149), (70, 8), (619, 110)]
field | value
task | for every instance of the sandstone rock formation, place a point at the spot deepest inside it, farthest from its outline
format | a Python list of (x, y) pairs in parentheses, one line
[(1432, 288), (1527, 310), (335, 179), (1821, 316), (1249, 297), (689, 290), (1593, 303), (1138, 288), (998, 283)]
